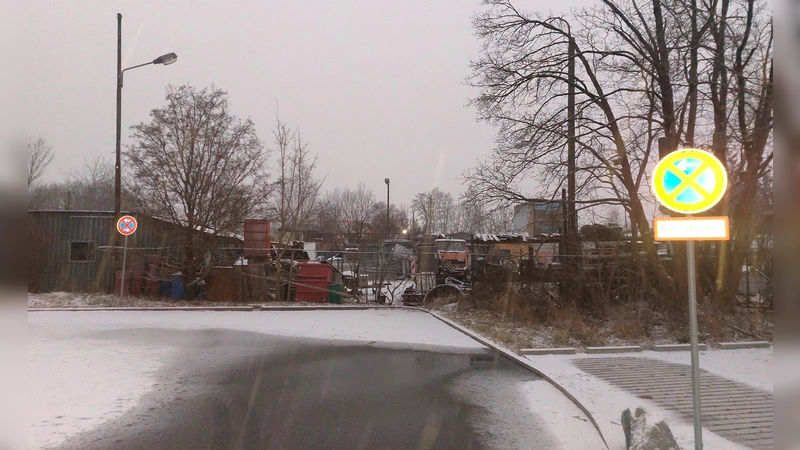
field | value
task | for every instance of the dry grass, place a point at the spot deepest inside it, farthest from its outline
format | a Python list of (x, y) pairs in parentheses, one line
[(534, 320)]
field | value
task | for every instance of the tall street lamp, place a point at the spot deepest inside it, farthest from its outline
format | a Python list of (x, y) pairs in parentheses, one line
[(166, 60), (386, 180)]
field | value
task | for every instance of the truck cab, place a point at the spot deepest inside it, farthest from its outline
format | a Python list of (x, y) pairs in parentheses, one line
[(454, 260)]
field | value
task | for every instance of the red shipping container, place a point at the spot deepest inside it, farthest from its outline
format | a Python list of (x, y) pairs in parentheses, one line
[(309, 294), (314, 274), (314, 270)]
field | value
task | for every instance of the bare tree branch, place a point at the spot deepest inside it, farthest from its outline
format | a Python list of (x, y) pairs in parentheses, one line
[(40, 155)]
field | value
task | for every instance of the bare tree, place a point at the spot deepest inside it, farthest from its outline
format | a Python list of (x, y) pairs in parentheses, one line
[(348, 211), (742, 89), (296, 192), (92, 187), (89, 188), (477, 217), (398, 218), (200, 167), (710, 67), (436, 209), (40, 155), (643, 71)]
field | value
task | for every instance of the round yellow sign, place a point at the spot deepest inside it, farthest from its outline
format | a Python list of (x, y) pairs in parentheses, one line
[(689, 181)]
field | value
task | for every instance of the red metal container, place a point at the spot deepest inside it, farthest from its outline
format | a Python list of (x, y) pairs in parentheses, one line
[(315, 270), (309, 294), (256, 238), (314, 274)]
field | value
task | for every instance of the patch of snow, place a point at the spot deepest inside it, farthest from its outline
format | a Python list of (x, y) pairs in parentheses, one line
[(563, 418), (606, 403), (76, 384), (373, 325), (751, 366)]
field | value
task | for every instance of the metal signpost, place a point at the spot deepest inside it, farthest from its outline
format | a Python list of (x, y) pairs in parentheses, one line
[(126, 225), (690, 181)]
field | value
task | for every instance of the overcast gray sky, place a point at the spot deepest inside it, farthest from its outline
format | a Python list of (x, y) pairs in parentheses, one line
[(377, 87)]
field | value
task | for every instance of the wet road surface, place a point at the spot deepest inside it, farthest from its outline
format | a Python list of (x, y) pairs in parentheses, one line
[(224, 389)]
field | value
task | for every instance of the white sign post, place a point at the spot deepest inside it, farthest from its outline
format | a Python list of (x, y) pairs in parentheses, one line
[(691, 181), (126, 225)]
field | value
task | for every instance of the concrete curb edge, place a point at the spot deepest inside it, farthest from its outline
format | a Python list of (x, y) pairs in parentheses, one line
[(677, 347), (547, 351), (741, 345), (522, 362), (613, 349)]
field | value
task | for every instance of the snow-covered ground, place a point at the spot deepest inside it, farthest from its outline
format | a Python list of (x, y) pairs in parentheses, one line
[(749, 366), (78, 382), (564, 418), (387, 328), (606, 402)]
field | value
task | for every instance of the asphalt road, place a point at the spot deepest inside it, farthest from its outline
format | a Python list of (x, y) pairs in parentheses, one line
[(227, 389)]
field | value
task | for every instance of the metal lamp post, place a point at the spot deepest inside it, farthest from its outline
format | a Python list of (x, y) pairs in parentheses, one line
[(386, 180), (166, 60)]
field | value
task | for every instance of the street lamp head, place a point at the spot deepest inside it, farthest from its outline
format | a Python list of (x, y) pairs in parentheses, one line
[(166, 60), (405, 231), (386, 180)]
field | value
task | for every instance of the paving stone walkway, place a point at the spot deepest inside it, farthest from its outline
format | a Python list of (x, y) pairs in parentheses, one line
[(733, 410)]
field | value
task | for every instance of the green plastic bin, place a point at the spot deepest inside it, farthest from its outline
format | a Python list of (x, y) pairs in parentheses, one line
[(335, 297)]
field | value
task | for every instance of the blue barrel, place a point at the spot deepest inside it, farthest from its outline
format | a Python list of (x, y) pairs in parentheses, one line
[(178, 289)]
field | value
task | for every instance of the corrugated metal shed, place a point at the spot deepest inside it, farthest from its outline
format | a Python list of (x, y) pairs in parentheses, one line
[(66, 250), (78, 251)]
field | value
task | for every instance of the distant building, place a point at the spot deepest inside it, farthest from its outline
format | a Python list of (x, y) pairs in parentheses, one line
[(538, 217), (78, 251)]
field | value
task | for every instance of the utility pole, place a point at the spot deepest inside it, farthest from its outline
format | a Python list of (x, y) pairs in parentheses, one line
[(118, 165), (386, 180), (563, 244), (572, 248), (572, 224), (166, 60), (430, 214)]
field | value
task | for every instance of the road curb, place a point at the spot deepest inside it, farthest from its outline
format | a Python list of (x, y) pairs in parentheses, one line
[(617, 349), (547, 351), (742, 344), (677, 347), (520, 361)]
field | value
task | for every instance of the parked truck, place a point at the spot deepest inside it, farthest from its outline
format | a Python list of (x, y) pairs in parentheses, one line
[(453, 259)]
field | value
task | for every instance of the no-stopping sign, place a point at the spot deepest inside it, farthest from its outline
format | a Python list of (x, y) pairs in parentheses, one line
[(126, 225)]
